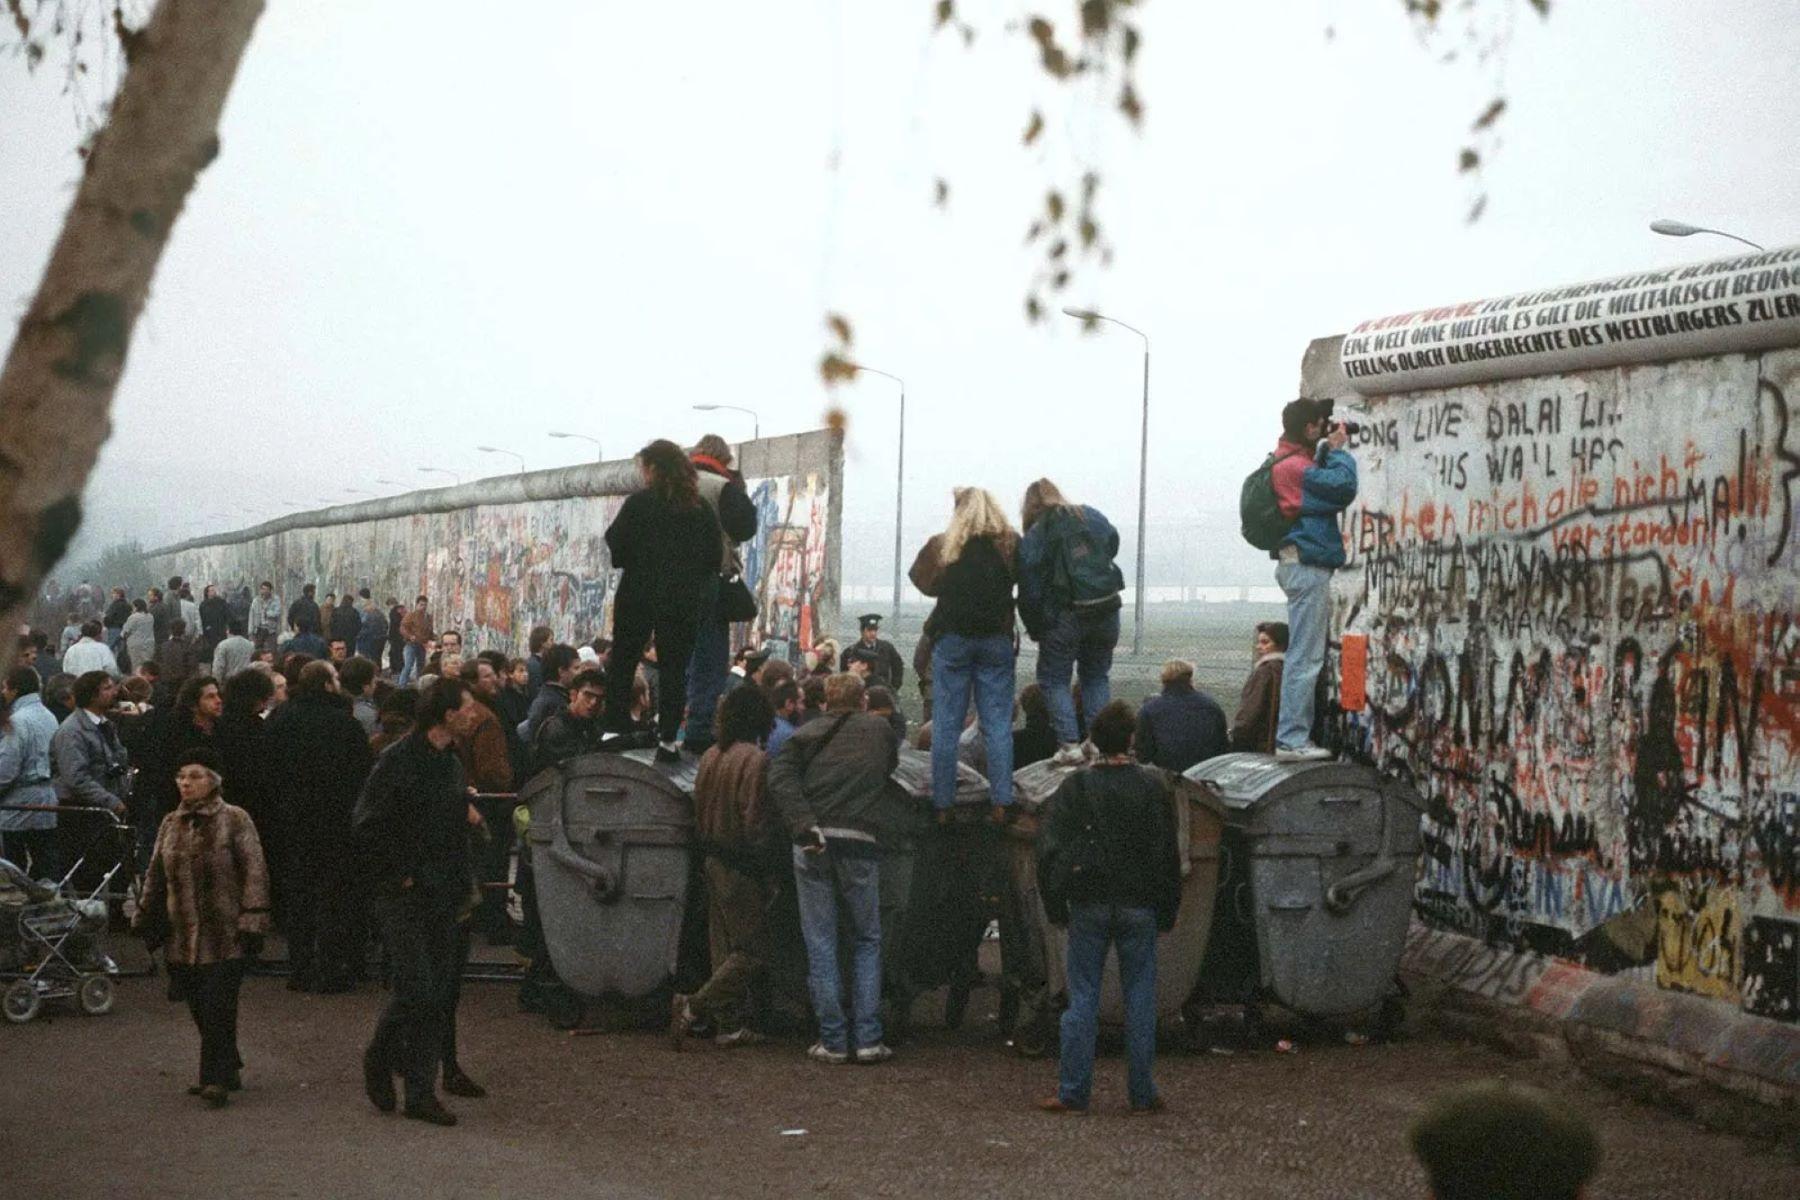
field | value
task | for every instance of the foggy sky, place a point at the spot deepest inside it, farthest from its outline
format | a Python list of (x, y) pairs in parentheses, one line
[(428, 232)]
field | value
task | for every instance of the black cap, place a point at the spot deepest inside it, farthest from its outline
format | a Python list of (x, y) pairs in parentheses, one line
[(869, 620), (200, 756)]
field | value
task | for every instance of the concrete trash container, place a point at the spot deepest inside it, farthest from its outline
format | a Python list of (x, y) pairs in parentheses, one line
[(610, 846), (1036, 959), (1330, 851)]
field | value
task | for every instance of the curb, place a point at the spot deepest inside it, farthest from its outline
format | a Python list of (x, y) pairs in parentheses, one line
[(1616, 1017)]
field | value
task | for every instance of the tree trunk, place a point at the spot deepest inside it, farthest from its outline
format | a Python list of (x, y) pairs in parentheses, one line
[(57, 386)]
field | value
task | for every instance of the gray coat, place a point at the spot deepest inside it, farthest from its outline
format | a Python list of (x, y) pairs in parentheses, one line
[(837, 786), (139, 636), (25, 765), (92, 767)]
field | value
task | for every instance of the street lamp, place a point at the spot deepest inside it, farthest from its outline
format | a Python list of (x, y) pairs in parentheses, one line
[(441, 471), (508, 453), (599, 455), (756, 421), (899, 480), (1090, 316), (1682, 229)]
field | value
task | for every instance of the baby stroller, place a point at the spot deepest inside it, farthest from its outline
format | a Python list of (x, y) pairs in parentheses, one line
[(48, 944)]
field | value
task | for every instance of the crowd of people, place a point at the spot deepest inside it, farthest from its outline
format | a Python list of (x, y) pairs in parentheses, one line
[(341, 769)]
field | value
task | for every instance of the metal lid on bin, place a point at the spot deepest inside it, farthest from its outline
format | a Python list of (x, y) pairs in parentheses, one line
[(913, 775), (1034, 785), (1244, 781), (637, 766)]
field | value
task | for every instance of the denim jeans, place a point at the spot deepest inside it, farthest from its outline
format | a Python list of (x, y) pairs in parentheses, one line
[(822, 880), (709, 670), (1308, 591), (1092, 928), (983, 665), (413, 662), (1076, 642)]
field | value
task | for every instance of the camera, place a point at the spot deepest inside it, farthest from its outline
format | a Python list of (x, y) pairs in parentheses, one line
[(1350, 428)]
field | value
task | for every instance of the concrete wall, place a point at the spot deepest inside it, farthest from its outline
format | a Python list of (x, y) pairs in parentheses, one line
[(500, 555), (1570, 616)]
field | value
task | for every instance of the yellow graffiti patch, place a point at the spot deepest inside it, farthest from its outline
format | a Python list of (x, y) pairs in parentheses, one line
[(1698, 939)]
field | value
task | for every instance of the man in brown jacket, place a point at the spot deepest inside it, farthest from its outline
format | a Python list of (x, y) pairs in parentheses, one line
[(734, 828), (416, 628)]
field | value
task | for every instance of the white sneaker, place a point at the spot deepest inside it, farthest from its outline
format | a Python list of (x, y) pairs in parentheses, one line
[(878, 1053), (741, 1036), (1068, 754), (1306, 753), (820, 1053)]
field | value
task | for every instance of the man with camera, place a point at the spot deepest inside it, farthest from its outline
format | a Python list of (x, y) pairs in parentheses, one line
[(1315, 480)]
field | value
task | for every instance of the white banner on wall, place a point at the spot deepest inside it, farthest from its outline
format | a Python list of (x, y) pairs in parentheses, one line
[(1726, 305)]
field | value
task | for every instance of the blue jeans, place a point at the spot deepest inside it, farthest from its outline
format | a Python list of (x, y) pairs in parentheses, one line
[(1308, 591), (414, 660), (709, 670), (1092, 928), (960, 665), (822, 880), (1076, 642)]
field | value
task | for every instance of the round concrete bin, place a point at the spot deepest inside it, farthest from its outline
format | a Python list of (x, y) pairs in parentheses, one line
[(1324, 855), (1036, 956), (610, 846)]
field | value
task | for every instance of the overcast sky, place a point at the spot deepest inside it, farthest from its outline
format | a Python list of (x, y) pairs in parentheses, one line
[(428, 233)]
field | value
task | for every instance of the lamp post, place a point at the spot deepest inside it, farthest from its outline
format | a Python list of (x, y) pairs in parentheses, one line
[(756, 421), (1670, 228), (899, 481), (599, 455), (508, 453), (441, 471), (1137, 629)]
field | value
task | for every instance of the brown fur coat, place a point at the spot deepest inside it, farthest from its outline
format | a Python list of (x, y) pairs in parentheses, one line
[(207, 884)]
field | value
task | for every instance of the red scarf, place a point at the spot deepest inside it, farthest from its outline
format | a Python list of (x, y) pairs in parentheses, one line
[(711, 464)]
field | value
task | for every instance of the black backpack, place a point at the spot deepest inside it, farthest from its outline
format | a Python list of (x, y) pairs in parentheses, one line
[(1259, 513)]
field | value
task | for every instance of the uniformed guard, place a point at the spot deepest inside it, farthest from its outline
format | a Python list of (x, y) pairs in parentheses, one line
[(882, 660)]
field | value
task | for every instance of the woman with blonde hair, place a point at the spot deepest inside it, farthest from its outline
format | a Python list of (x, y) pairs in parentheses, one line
[(970, 569)]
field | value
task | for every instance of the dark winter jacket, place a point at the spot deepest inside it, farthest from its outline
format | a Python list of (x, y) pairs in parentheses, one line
[(1179, 728), (214, 613), (885, 666), (669, 556), (975, 593), (304, 613), (346, 624), (1134, 826), (1312, 495), (1041, 594), (371, 632), (553, 698), (562, 737), (411, 823), (243, 745), (117, 612), (319, 757), (836, 785)]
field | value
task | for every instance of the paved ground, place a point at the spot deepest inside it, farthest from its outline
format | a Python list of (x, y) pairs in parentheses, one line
[(95, 1107)]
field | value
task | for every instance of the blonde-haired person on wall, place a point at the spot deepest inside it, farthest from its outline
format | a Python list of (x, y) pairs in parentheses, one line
[(971, 569)]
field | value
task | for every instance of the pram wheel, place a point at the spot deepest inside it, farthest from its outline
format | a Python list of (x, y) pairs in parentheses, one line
[(95, 995), (21, 1002)]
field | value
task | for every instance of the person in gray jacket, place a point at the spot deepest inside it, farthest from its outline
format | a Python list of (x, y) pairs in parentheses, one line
[(93, 769), (234, 653), (27, 838), (828, 784)]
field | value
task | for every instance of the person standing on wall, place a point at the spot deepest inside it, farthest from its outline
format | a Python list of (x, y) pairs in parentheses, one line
[(709, 670), (667, 544), (416, 628), (885, 668), (1069, 598), (970, 569), (1315, 480)]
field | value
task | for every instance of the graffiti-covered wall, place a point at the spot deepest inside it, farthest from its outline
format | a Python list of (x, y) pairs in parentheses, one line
[(500, 555), (1570, 616)]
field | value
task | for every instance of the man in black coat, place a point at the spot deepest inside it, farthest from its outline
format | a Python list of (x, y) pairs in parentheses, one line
[(412, 827), (304, 612), (1182, 726), (319, 758), (881, 661)]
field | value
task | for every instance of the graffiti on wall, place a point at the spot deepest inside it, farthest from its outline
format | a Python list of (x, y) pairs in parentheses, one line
[(1578, 598), (495, 571)]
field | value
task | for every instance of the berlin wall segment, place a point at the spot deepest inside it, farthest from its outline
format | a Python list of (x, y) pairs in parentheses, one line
[(1573, 598), (500, 561)]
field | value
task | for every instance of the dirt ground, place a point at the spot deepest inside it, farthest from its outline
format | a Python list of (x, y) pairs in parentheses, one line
[(95, 1106)]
